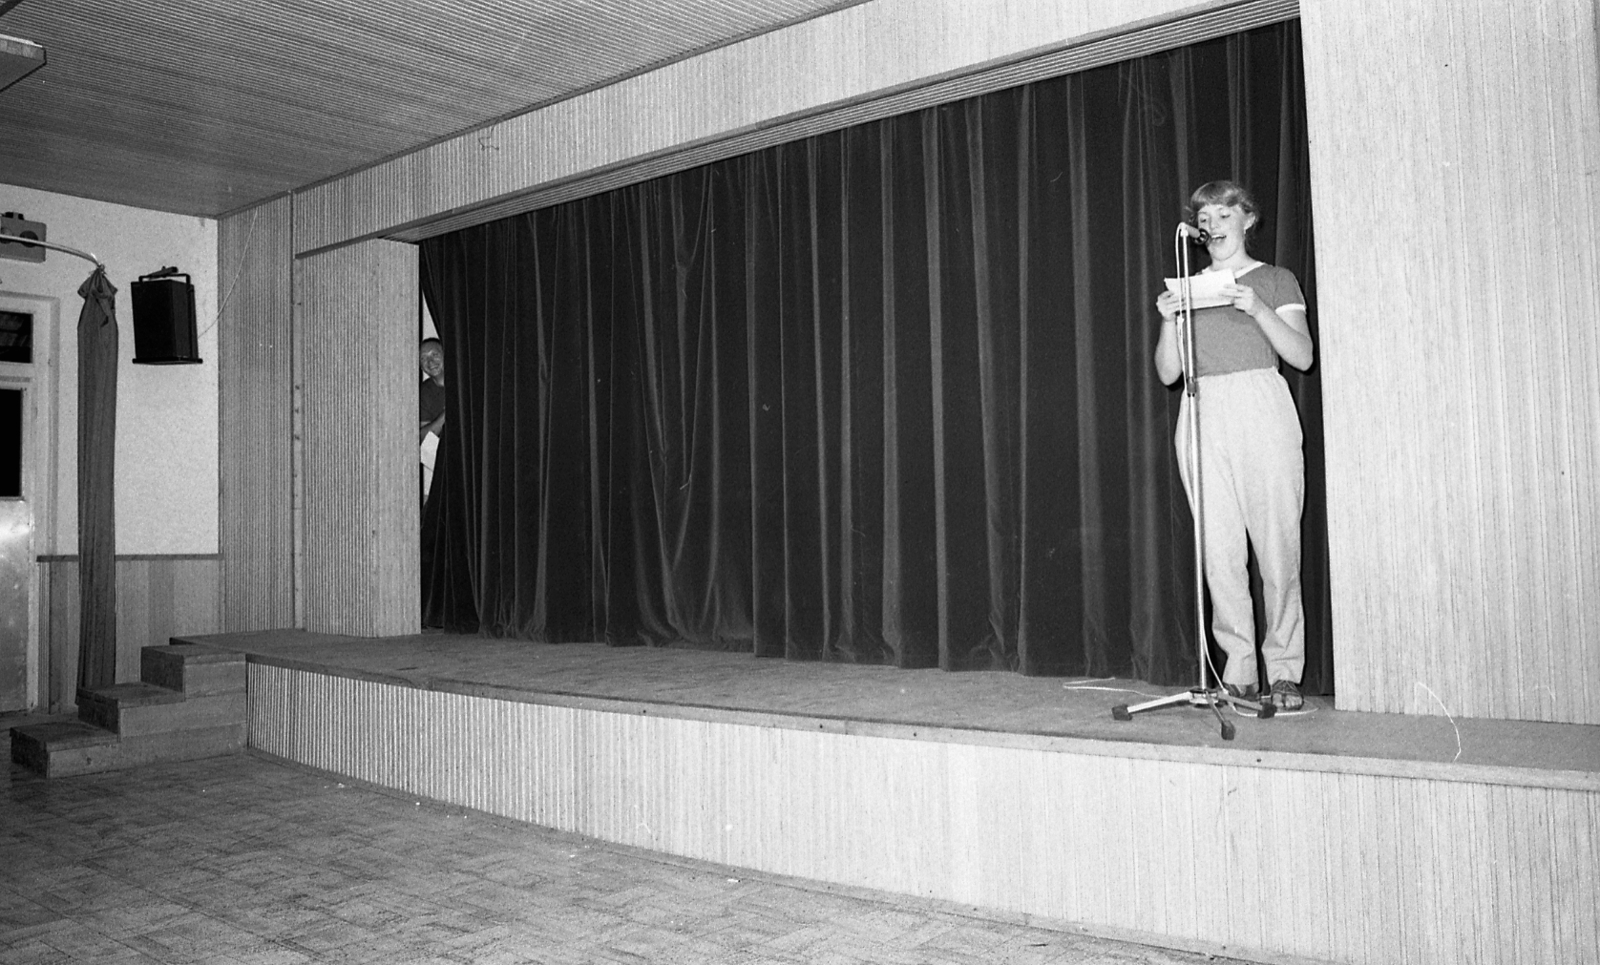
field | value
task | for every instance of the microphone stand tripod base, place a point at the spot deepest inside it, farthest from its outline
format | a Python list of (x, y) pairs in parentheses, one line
[(1212, 697)]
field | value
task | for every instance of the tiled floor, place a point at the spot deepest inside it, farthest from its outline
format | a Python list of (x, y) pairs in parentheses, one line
[(245, 859)]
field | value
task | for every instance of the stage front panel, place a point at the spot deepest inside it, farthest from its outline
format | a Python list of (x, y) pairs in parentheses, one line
[(1189, 853)]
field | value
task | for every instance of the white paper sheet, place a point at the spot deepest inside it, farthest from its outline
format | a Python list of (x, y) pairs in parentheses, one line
[(1205, 287)]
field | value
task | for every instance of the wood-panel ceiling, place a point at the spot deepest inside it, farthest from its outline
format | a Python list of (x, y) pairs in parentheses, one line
[(212, 105)]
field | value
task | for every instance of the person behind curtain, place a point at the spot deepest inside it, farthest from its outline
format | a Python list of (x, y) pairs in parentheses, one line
[(1253, 470), (431, 398)]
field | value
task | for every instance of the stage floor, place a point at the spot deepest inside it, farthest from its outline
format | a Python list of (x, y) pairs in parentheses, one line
[(968, 707)]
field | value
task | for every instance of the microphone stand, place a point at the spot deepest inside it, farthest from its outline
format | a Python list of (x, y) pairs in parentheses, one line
[(1204, 694)]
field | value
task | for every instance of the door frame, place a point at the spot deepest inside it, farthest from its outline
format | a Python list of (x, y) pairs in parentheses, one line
[(41, 441)]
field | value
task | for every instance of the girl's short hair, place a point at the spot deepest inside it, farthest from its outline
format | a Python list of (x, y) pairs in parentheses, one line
[(1226, 193)]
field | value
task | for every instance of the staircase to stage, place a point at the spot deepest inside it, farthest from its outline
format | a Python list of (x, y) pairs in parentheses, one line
[(189, 703)]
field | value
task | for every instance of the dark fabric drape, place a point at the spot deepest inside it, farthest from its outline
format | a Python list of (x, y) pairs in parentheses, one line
[(97, 525), (883, 395)]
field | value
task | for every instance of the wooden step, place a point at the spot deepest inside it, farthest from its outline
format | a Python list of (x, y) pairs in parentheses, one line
[(104, 707), (195, 669), (32, 744), (74, 747), (137, 710), (189, 703)]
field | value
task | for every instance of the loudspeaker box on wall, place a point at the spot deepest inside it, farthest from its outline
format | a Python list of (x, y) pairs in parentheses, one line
[(163, 319)]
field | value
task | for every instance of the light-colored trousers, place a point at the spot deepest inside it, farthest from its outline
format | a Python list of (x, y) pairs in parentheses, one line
[(1252, 473)]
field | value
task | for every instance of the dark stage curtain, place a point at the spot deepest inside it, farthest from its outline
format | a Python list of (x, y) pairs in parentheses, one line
[(883, 395)]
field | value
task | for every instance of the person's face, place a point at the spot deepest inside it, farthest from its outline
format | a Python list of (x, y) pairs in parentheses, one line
[(432, 361), (1226, 224)]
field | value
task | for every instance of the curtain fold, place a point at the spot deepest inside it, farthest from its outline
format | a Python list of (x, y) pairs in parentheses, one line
[(97, 457), (883, 395)]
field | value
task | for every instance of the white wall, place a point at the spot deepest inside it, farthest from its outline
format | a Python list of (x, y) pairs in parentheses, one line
[(166, 480)]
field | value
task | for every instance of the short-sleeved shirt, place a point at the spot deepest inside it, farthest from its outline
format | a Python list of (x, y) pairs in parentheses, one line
[(1228, 340)]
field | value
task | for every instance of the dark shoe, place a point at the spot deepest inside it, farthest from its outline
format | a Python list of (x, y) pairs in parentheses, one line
[(1243, 693), (1286, 695)]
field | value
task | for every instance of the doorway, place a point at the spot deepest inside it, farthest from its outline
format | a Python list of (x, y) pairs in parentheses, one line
[(27, 474)]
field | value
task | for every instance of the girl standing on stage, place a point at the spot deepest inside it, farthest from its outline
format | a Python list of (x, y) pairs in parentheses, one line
[(1253, 471)]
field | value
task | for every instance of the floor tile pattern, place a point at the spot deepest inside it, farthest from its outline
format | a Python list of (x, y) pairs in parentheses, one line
[(246, 860)]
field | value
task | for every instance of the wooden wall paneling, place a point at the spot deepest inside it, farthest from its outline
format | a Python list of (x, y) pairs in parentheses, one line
[(1415, 906), (357, 311), (1197, 851), (134, 607), (1442, 836), (64, 636), (50, 615), (158, 597), (1577, 927), (1459, 403), (255, 376), (195, 596), (859, 63), (297, 458), (1564, 414), (45, 608), (163, 617)]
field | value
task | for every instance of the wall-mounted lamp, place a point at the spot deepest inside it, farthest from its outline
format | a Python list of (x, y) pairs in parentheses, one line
[(163, 319), (14, 225), (23, 240)]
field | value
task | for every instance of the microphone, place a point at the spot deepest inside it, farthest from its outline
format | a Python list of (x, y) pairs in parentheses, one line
[(1195, 235)]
